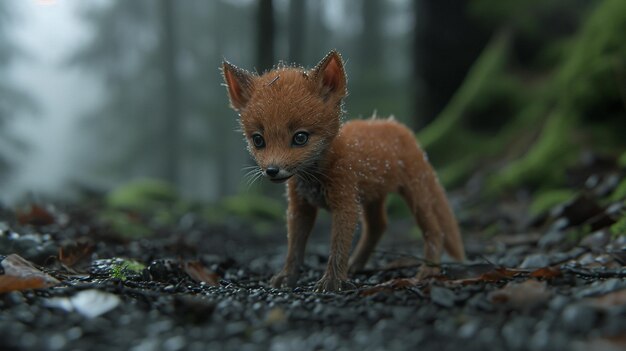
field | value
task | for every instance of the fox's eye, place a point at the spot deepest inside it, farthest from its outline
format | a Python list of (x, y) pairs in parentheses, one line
[(300, 138), (258, 141)]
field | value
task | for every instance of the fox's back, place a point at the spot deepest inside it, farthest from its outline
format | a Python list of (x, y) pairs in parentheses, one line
[(377, 155)]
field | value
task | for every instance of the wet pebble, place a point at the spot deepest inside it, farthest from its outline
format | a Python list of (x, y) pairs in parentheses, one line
[(579, 318), (536, 261), (443, 296)]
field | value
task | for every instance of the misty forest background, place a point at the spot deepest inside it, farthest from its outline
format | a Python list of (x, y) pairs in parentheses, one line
[(503, 94)]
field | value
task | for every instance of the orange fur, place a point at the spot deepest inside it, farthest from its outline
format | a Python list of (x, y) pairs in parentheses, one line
[(348, 169)]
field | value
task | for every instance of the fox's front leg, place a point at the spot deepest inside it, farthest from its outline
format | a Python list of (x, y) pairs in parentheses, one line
[(344, 221), (300, 219)]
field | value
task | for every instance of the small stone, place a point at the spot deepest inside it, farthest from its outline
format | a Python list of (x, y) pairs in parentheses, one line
[(596, 240), (535, 261), (442, 296), (579, 317)]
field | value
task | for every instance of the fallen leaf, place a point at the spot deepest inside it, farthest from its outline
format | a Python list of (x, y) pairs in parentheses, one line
[(546, 273), (496, 275), (462, 271), (35, 215), (528, 293), (19, 274), (199, 273), (75, 252), (89, 303)]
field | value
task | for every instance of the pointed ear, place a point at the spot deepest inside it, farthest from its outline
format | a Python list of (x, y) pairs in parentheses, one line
[(330, 75), (239, 85)]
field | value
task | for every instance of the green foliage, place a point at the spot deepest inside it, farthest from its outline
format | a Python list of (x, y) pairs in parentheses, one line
[(536, 126), (545, 161), (485, 71), (588, 74), (124, 269), (142, 195), (585, 83), (544, 201)]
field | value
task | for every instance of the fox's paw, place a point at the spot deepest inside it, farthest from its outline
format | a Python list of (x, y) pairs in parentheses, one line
[(330, 284), (427, 272), (284, 279)]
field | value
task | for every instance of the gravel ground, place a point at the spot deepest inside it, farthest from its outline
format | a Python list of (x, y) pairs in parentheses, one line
[(201, 286)]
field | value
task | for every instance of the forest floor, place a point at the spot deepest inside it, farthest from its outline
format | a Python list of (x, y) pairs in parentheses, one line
[(554, 281)]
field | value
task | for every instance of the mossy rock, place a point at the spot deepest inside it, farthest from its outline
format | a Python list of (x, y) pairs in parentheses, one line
[(142, 195), (125, 269)]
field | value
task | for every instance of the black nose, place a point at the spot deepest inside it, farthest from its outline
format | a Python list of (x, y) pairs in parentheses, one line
[(272, 171)]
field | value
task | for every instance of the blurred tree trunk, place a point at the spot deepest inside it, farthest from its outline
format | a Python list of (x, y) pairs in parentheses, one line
[(446, 44), (297, 23), (370, 48), (172, 125), (222, 140), (265, 35)]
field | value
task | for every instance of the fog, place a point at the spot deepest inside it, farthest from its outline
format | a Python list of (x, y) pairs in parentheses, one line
[(47, 32)]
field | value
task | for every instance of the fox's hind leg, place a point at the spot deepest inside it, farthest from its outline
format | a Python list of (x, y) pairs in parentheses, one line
[(374, 225), (423, 207)]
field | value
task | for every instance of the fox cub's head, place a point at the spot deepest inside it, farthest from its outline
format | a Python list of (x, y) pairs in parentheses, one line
[(289, 115)]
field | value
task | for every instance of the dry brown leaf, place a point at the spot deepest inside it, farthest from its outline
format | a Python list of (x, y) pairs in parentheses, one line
[(35, 215), (528, 293), (546, 273), (497, 275), (20, 274), (199, 273), (74, 252)]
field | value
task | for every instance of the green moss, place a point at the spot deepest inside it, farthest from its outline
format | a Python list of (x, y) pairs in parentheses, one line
[(546, 200), (126, 224), (622, 160), (124, 269), (619, 228), (620, 192), (486, 70), (142, 195), (589, 71), (253, 206), (545, 161)]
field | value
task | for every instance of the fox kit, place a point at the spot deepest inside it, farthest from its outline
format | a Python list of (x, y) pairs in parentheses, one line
[(291, 119)]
